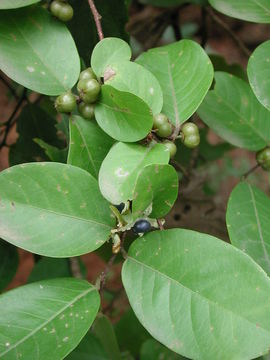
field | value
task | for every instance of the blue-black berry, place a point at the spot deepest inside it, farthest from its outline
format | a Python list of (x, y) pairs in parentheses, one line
[(141, 226)]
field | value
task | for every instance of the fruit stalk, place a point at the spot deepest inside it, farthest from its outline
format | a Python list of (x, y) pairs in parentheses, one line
[(97, 18)]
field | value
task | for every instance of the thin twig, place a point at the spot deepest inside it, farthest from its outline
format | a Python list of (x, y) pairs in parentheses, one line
[(250, 171), (97, 18), (75, 267), (160, 224), (226, 27), (180, 167), (10, 121), (204, 29), (104, 274)]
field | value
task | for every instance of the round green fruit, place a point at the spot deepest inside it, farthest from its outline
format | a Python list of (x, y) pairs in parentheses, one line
[(89, 90), (65, 13), (55, 7), (191, 141), (164, 130), (160, 120), (65, 103), (86, 110), (189, 129), (171, 148), (87, 74), (263, 158)]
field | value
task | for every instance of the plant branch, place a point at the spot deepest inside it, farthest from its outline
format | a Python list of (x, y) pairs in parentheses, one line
[(250, 171), (75, 267), (226, 27), (11, 121), (97, 18)]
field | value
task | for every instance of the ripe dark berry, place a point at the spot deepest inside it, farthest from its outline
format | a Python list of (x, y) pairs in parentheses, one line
[(65, 103), (87, 74), (86, 110), (164, 130), (171, 147), (263, 158), (89, 90), (120, 207), (160, 120), (61, 10), (141, 226)]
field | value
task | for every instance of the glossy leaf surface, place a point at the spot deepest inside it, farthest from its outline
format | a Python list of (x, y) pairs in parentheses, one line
[(13, 4), (120, 168), (199, 296), (52, 209)]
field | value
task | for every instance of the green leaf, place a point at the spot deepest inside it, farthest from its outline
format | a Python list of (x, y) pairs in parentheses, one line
[(167, 3), (259, 72), (7, 4), (248, 223), (90, 348), (134, 78), (49, 268), (185, 74), (199, 296), (133, 338), (54, 154), (251, 10), (88, 145), (114, 19), (234, 113), (122, 115), (53, 209), (120, 168), (107, 52), (9, 261), (156, 186), (37, 51), (104, 331), (153, 350), (220, 64), (33, 122), (46, 319)]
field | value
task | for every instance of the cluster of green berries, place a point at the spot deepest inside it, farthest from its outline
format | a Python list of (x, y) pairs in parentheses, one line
[(61, 10), (163, 128), (190, 135), (88, 88), (263, 158)]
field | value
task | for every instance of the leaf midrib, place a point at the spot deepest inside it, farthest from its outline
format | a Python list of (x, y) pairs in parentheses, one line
[(192, 291), (34, 331)]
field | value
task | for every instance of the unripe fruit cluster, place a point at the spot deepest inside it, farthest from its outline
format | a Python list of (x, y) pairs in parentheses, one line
[(162, 125), (61, 10), (88, 88), (190, 135), (263, 158)]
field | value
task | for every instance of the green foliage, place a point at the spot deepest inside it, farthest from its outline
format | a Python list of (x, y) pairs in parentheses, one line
[(8, 263), (28, 53), (7, 4), (49, 268), (49, 318)]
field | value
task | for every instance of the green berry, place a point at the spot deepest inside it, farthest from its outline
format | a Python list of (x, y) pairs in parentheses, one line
[(164, 130), (160, 120), (55, 7), (263, 158), (65, 13), (189, 129), (191, 141), (65, 103), (87, 74), (89, 90), (171, 148), (86, 110)]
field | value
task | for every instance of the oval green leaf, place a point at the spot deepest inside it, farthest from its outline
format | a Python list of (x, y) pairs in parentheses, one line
[(37, 51), (168, 3), (153, 350), (199, 296), (120, 168), (185, 74), (234, 113), (251, 10), (46, 319), (9, 261), (156, 186), (259, 73), (88, 145), (53, 209), (107, 52), (7, 4), (134, 78), (122, 115), (248, 223)]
